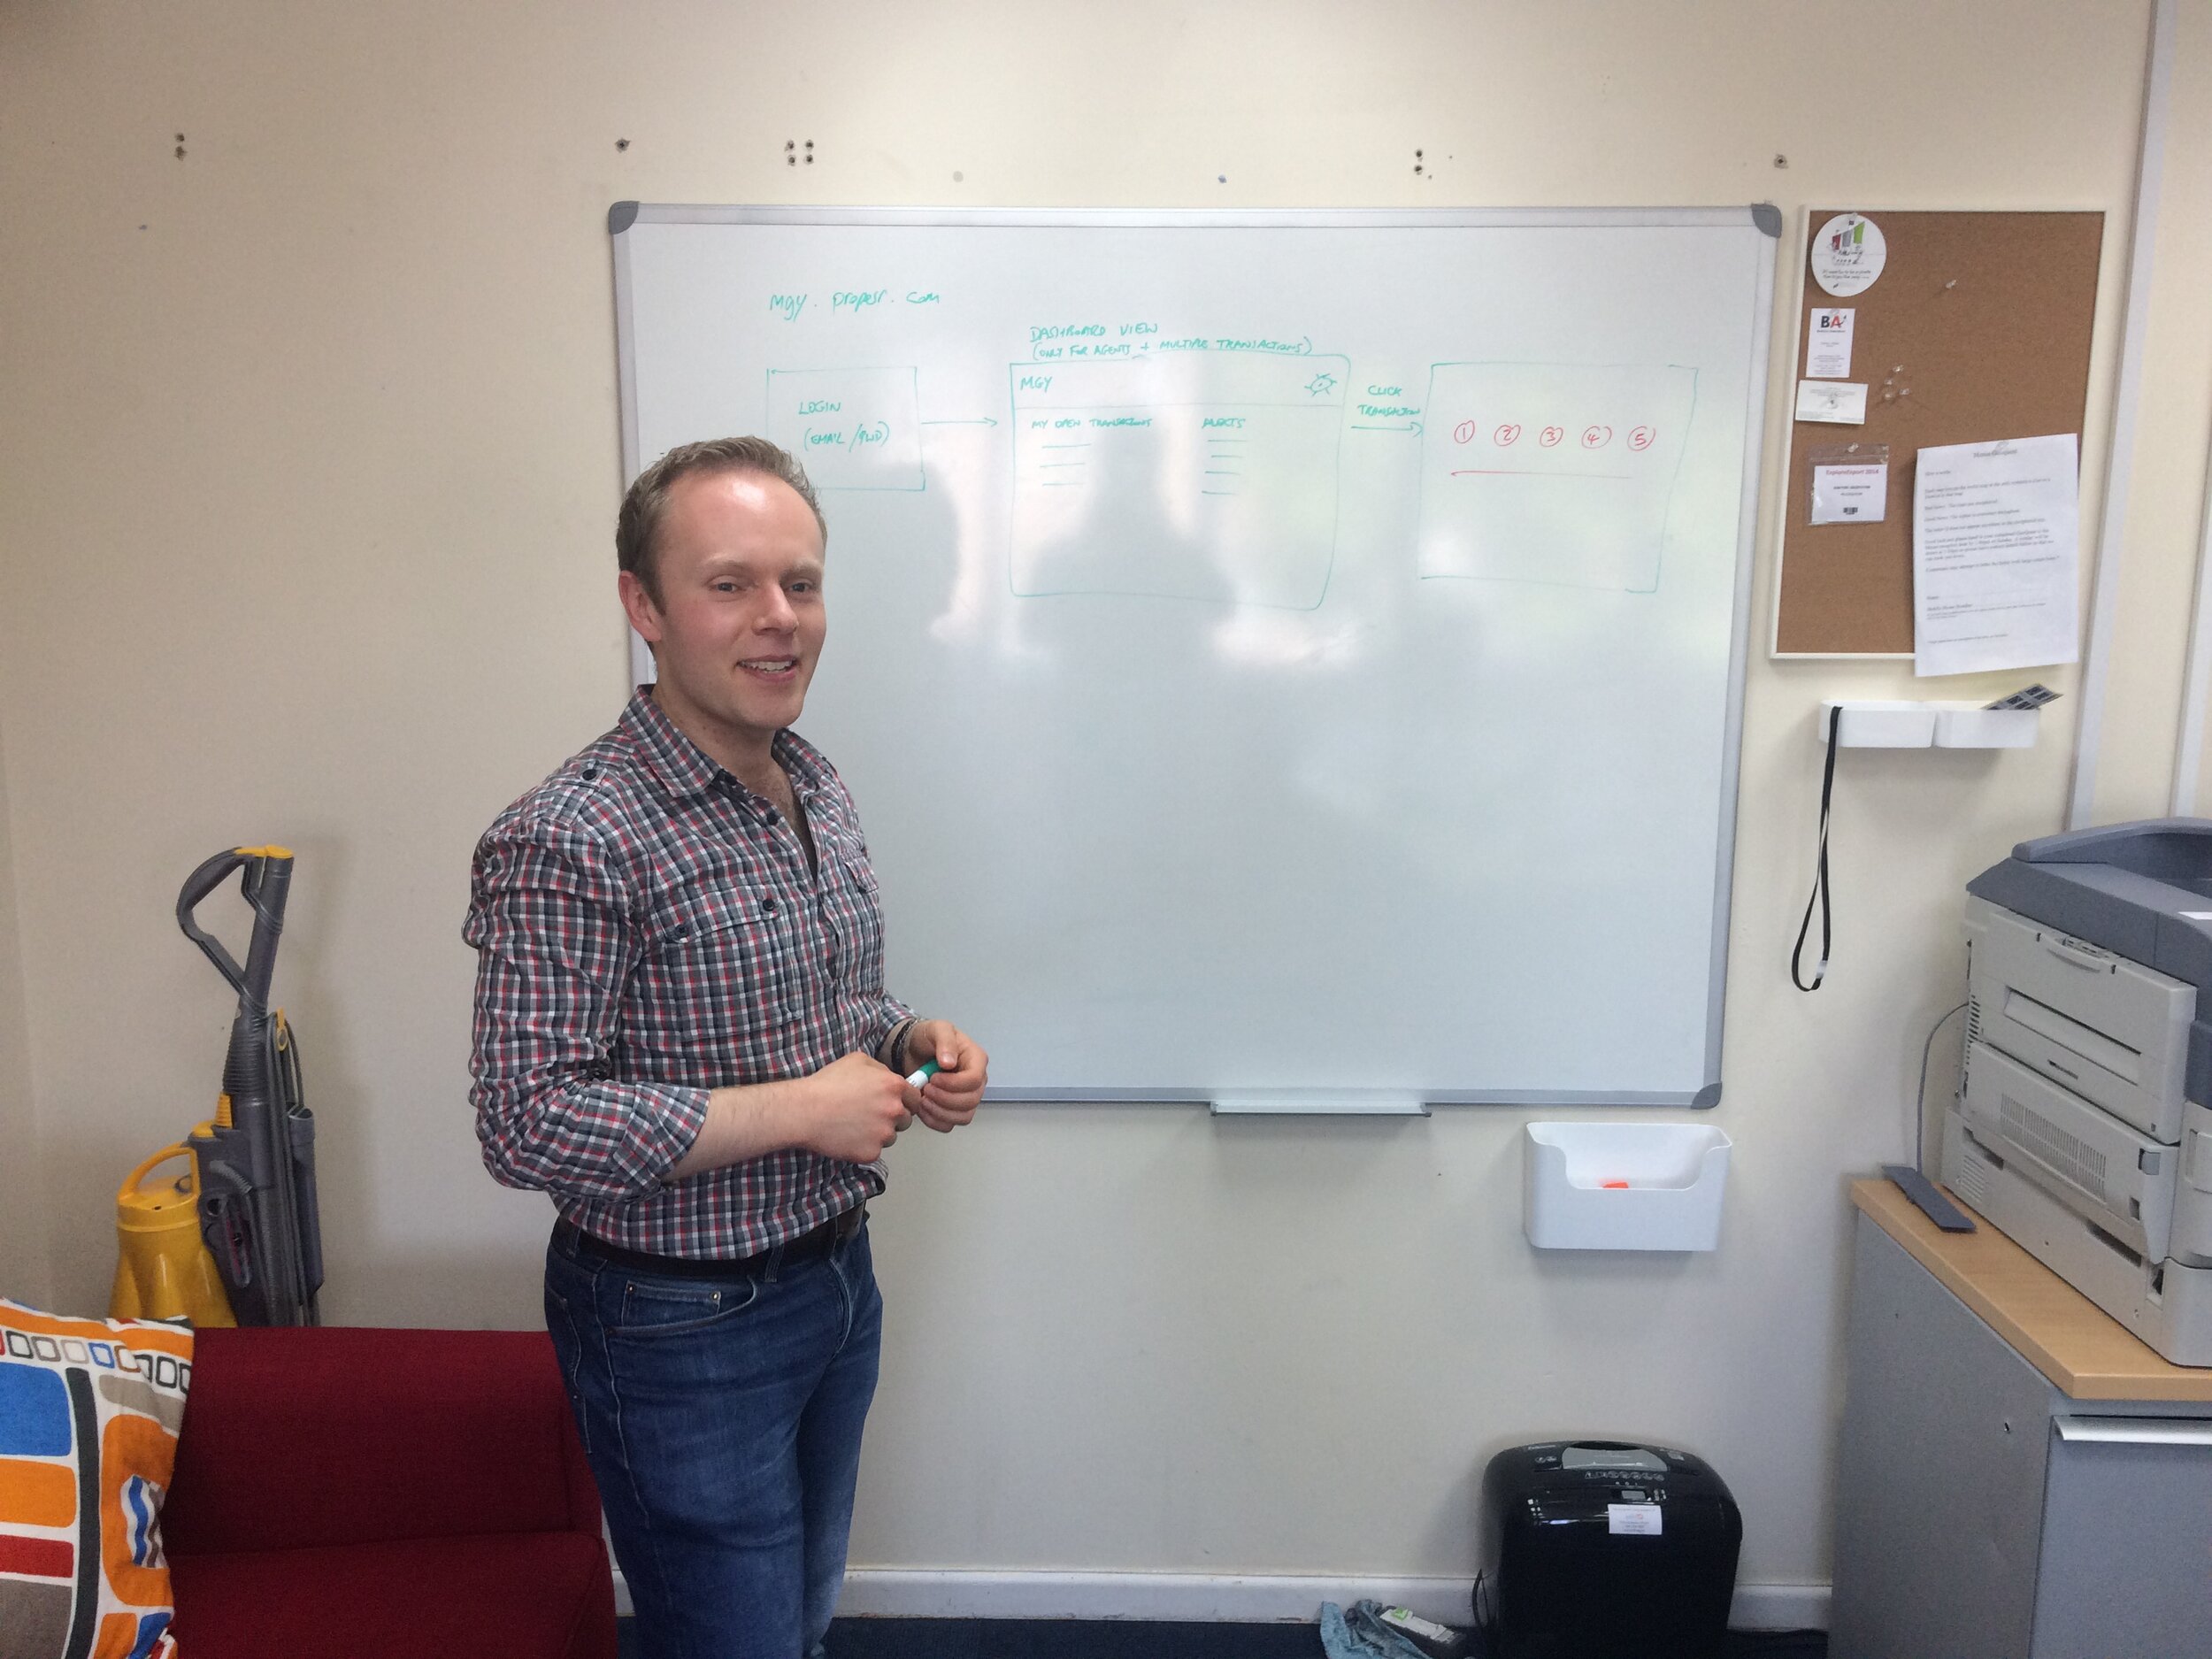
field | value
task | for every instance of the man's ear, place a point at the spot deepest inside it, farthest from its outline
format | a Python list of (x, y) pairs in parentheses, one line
[(638, 605)]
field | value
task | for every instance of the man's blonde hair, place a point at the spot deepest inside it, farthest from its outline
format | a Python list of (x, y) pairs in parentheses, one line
[(648, 499)]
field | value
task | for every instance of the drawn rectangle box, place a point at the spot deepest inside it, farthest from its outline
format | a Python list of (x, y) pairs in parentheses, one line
[(850, 428), (1560, 473), (1182, 475)]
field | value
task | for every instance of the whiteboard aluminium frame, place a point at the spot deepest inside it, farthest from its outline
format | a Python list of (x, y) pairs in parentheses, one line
[(1763, 217)]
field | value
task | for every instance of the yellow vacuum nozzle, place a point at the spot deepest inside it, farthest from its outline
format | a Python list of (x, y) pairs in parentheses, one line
[(163, 1270)]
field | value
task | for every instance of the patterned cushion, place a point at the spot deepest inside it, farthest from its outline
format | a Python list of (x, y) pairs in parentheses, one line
[(89, 1410)]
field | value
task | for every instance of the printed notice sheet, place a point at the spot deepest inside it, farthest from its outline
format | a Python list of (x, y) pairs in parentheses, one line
[(1996, 556)]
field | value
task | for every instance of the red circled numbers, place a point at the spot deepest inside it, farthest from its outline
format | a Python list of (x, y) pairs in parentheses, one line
[(1464, 432), (1596, 437), (1641, 438), (1551, 435), (1507, 436)]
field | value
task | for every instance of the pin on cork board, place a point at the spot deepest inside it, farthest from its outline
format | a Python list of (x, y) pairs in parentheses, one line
[(1961, 327)]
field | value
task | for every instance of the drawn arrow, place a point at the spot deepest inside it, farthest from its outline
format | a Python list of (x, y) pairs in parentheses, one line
[(984, 421), (1410, 425)]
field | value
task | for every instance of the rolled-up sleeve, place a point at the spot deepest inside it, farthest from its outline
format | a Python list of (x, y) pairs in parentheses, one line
[(890, 1012), (556, 935)]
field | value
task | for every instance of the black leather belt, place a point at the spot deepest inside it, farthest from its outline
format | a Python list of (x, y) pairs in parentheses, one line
[(816, 1241)]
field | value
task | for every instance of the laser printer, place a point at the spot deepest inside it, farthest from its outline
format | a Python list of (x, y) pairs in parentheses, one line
[(2081, 1126)]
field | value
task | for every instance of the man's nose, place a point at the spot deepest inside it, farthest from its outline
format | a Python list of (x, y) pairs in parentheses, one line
[(777, 615)]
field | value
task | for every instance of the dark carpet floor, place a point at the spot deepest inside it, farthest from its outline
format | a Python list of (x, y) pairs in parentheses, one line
[(1061, 1638)]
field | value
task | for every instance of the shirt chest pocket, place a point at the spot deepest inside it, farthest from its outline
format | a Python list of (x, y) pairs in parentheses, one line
[(715, 965), (853, 906)]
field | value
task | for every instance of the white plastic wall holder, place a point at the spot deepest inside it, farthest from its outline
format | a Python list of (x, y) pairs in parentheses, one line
[(1868, 725), (1970, 726), (1623, 1186), (1875, 725)]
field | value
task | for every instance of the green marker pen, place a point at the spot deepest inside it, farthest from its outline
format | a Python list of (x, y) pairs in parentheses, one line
[(923, 1072)]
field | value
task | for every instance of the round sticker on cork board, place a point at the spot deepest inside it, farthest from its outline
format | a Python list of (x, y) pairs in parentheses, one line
[(1848, 253)]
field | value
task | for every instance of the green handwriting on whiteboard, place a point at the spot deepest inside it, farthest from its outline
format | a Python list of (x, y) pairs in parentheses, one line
[(866, 435), (1209, 477), (852, 301), (1304, 348)]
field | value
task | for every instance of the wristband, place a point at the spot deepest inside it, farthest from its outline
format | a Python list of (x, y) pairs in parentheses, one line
[(893, 1053)]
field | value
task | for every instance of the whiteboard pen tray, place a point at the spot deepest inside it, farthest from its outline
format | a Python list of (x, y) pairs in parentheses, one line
[(1623, 1186)]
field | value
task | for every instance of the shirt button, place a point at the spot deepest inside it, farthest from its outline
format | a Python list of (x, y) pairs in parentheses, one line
[(768, 905), (590, 773)]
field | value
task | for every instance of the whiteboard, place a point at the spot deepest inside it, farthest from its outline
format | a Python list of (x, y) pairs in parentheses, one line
[(1282, 660)]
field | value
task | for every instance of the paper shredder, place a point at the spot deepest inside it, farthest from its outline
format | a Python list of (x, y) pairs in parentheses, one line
[(1601, 1549)]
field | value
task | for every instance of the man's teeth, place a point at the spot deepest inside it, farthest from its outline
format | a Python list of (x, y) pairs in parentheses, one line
[(771, 664)]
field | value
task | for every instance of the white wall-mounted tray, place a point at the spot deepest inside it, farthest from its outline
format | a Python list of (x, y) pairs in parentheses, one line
[(1623, 1186), (1879, 724)]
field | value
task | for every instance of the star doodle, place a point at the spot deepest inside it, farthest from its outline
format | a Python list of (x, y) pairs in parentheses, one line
[(1321, 385)]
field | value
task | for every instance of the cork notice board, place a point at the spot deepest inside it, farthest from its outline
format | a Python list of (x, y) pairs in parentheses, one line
[(1977, 329)]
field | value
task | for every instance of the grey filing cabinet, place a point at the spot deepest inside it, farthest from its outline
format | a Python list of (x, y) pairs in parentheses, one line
[(2020, 1478)]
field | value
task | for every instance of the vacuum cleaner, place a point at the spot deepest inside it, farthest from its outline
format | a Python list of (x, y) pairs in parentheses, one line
[(252, 1176)]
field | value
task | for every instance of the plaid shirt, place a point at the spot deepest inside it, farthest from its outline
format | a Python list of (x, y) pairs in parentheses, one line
[(647, 929)]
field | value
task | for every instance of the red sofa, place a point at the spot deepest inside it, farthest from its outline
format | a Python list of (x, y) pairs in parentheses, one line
[(378, 1492)]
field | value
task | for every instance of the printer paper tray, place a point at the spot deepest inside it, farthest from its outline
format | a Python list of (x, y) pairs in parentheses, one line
[(2167, 1304), (2112, 1030), (2100, 1168)]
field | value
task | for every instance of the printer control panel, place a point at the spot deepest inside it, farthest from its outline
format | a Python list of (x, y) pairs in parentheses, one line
[(1597, 1472), (1636, 1458)]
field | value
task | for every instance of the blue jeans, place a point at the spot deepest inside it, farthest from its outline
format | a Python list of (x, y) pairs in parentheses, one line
[(722, 1417)]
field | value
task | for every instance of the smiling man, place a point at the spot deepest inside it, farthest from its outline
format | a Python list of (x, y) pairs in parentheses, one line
[(682, 1034)]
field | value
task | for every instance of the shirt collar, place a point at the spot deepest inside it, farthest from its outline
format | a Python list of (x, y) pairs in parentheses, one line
[(682, 766), (686, 769)]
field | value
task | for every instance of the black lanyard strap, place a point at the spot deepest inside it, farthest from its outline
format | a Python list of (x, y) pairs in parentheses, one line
[(1820, 893)]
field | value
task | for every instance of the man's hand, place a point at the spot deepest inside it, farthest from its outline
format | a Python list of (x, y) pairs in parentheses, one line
[(851, 1108), (949, 1099)]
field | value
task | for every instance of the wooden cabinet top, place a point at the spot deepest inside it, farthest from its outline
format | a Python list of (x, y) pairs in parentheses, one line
[(2085, 1353)]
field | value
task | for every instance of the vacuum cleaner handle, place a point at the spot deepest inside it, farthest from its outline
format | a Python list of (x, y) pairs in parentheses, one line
[(266, 884)]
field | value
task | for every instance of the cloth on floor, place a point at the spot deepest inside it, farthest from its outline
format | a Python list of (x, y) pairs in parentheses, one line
[(1360, 1634)]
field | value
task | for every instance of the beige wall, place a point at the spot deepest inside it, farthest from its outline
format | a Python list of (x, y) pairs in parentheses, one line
[(2166, 506), (310, 461), (23, 1251)]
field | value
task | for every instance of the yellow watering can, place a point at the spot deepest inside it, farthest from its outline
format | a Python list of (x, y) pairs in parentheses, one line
[(163, 1270)]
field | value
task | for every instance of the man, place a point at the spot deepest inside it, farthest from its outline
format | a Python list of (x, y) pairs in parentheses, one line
[(682, 1034)]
